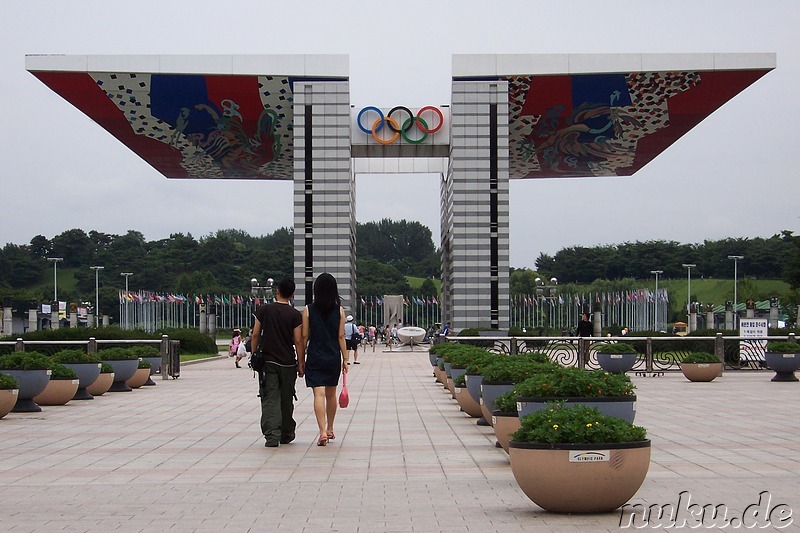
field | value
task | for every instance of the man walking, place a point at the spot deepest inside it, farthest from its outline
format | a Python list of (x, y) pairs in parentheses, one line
[(277, 334)]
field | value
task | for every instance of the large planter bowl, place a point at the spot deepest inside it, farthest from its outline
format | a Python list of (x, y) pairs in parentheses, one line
[(623, 407), (784, 365), (8, 399), (31, 383), (580, 478), (467, 403), (616, 363), (57, 392), (155, 366), (701, 372), (87, 374), (101, 384), (124, 369), (504, 423), (489, 393), (139, 378)]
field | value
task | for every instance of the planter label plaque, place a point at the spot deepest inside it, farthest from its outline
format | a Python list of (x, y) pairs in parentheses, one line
[(589, 456), (458, 390), (616, 356), (521, 406)]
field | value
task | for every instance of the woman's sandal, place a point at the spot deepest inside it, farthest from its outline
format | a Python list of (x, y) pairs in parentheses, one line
[(322, 441), (331, 436)]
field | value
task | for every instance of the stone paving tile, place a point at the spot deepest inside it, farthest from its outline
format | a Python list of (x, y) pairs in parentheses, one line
[(187, 455)]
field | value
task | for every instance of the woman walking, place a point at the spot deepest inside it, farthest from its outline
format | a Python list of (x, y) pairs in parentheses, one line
[(326, 352)]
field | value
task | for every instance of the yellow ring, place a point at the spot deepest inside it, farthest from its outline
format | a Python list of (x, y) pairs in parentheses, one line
[(396, 130)]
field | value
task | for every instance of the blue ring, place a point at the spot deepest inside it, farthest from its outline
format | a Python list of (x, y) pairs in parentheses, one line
[(361, 113)]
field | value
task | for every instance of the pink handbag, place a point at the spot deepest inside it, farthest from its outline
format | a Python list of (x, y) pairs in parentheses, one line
[(344, 396)]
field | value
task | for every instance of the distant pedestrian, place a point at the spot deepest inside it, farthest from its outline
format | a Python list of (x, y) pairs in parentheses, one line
[(585, 328), (233, 345), (352, 338)]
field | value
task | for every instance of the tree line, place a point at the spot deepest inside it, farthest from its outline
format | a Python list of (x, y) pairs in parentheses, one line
[(777, 257), (388, 251), (220, 263)]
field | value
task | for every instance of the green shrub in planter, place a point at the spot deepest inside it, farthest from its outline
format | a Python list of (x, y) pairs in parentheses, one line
[(460, 381), (479, 363), (700, 357), (74, 356), (506, 402), (615, 347), (145, 351), (576, 424), (117, 354), (512, 370), (60, 371), (25, 361), (143, 363), (536, 357), (783, 347), (571, 382), (8, 382), (105, 368)]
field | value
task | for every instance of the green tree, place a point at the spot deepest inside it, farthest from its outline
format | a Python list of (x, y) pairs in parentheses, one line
[(377, 278)]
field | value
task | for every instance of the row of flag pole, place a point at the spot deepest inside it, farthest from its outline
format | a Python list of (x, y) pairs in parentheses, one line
[(640, 309)]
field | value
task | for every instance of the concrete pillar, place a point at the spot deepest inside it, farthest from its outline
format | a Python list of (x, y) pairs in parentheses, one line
[(203, 319), (324, 189), (597, 324), (8, 321), (54, 318), (475, 234), (773, 312), (212, 321), (73, 319), (89, 320), (692, 318), (33, 319), (710, 322), (106, 321)]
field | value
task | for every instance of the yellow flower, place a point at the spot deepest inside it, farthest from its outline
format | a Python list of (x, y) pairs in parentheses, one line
[(555, 426), (589, 425)]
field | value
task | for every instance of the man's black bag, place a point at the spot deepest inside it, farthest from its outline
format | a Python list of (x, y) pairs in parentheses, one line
[(257, 361), (257, 357)]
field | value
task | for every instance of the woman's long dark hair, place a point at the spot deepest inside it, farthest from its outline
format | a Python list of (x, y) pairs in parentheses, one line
[(326, 294)]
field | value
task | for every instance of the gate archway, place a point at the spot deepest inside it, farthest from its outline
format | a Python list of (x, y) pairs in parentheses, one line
[(510, 117)]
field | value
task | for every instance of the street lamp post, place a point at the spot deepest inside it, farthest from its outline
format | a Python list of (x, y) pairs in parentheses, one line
[(736, 259), (689, 267), (97, 270), (655, 299), (127, 315), (55, 261)]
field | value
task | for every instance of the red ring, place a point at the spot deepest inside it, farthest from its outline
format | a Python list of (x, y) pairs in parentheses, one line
[(438, 112)]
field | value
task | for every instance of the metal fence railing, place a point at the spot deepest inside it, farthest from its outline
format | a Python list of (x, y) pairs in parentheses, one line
[(656, 354)]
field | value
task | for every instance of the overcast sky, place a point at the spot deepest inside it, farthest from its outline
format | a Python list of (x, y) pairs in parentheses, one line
[(731, 176)]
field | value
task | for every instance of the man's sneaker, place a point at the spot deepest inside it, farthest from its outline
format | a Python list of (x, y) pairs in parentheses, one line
[(271, 444), (287, 439)]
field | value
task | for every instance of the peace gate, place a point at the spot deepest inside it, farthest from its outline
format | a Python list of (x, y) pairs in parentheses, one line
[(510, 117)]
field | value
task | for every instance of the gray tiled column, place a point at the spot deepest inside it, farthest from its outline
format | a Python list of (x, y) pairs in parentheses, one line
[(324, 189), (475, 236)]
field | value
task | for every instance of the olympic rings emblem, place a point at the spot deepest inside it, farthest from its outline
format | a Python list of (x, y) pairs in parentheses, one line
[(398, 130)]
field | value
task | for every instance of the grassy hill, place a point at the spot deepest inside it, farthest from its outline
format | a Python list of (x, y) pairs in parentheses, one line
[(718, 291)]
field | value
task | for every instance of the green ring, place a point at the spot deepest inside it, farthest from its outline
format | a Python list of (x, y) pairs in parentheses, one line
[(403, 131)]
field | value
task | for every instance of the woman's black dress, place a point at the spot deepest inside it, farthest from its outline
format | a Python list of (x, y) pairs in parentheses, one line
[(323, 355)]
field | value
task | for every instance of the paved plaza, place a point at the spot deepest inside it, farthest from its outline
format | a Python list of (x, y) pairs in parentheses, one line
[(187, 455)]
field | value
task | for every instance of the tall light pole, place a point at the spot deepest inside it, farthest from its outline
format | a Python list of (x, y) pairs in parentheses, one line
[(689, 267), (656, 272), (736, 259), (126, 274), (55, 261), (97, 270)]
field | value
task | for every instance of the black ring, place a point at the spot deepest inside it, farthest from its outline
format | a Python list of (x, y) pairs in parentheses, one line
[(410, 115)]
